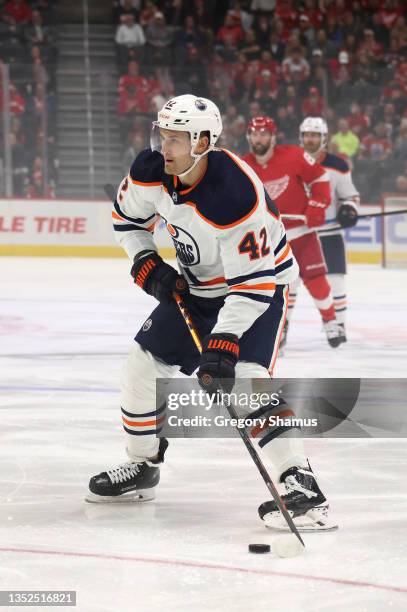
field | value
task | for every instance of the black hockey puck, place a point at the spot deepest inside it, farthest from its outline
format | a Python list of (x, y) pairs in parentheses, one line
[(259, 548)]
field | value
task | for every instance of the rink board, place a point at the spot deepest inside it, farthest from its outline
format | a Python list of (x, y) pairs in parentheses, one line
[(83, 228)]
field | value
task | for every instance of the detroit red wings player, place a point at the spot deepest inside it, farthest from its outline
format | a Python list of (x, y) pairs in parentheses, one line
[(288, 173)]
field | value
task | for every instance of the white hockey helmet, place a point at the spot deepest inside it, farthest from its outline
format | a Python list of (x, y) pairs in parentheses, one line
[(315, 124), (190, 114)]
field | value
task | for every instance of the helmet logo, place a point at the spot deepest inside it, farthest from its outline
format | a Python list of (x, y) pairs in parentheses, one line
[(200, 104)]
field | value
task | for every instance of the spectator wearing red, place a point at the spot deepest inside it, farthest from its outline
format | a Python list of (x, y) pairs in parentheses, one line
[(287, 14), (295, 67), (17, 102), (337, 9), (389, 12), (314, 14), (291, 101), (377, 146), (265, 87), (313, 105), (399, 31), (396, 95), (220, 72), (238, 68), (133, 78), (37, 189), (358, 121), (230, 34), (17, 12), (373, 49), (147, 14), (133, 101), (268, 63), (400, 75)]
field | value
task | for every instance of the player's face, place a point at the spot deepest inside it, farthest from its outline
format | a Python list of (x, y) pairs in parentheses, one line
[(261, 141), (176, 150), (312, 141)]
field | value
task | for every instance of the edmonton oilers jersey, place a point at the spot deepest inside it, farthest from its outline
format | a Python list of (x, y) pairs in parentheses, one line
[(226, 231), (343, 191)]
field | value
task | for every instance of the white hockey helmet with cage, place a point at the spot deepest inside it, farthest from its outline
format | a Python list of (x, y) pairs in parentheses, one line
[(317, 125), (188, 113)]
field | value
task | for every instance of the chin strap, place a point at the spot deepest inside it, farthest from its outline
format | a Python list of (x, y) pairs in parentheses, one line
[(196, 161)]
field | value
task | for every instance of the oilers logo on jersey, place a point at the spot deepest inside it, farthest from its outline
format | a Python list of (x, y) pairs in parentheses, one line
[(185, 245)]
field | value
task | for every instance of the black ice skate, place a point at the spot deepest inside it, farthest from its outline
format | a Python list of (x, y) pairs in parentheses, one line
[(129, 482), (304, 500), (342, 328), (334, 333)]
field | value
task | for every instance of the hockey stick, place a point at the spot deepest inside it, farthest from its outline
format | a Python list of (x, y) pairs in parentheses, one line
[(242, 432), (110, 191), (364, 216)]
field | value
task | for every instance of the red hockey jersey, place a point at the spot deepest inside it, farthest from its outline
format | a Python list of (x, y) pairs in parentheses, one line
[(288, 175)]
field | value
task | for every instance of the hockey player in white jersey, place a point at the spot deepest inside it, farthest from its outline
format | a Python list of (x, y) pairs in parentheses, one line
[(343, 209), (234, 268)]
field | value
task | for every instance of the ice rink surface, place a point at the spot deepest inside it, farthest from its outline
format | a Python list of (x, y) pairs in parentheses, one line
[(65, 328)]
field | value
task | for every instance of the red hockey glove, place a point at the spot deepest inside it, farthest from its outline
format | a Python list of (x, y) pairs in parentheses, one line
[(315, 213)]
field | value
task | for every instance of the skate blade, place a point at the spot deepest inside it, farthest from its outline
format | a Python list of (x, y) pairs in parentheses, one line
[(139, 497), (314, 520)]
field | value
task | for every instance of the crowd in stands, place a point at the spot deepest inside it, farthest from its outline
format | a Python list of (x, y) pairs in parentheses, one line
[(343, 59), (28, 47)]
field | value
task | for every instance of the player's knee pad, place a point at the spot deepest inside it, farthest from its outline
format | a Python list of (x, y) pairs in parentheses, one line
[(138, 380)]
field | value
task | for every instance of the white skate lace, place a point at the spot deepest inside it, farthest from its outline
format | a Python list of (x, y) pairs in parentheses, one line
[(123, 472), (292, 484)]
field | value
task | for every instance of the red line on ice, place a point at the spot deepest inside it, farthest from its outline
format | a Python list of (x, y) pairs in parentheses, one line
[(197, 564)]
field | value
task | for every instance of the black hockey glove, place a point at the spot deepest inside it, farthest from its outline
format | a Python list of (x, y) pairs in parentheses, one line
[(347, 216), (220, 353), (157, 278)]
